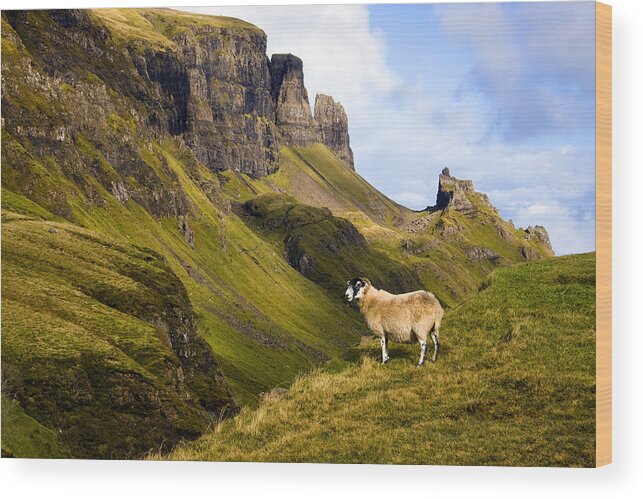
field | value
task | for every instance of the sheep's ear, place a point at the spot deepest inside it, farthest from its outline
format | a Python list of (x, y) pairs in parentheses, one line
[(348, 283)]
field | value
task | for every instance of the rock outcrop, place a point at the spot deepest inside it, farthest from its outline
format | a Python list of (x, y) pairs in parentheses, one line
[(226, 100), (481, 253), (539, 233), (452, 193), (292, 109), (456, 196), (332, 124)]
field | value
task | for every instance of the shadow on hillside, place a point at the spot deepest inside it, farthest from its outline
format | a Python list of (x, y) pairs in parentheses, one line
[(396, 352)]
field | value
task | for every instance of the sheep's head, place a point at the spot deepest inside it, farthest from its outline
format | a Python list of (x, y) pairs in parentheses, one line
[(357, 287)]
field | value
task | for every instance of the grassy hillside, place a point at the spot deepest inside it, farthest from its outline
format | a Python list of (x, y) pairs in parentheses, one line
[(515, 386), (23, 436), (435, 246), (261, 338), (315, 176), (158, 27), (112, 173), (98, 345), (327, 249)]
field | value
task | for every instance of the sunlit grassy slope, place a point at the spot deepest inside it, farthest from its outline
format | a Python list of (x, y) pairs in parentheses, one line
[(325, 248), (515, 386), (157, 27)]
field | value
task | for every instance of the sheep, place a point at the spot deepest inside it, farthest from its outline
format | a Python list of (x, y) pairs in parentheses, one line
[(401, 318)]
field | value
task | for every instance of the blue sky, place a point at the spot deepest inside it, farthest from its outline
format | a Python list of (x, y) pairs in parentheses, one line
[(501, 93)]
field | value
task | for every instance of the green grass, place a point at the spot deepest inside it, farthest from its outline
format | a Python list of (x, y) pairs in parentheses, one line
[(23, 436), (315, 176), (157, 27), (327, 249), (261, 338), (86, 343), (515, 386), (265, 321)]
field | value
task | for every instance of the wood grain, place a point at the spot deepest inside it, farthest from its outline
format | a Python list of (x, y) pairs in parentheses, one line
[(603, 234)]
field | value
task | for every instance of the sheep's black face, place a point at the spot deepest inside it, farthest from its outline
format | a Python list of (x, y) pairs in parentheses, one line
[(355, 289)]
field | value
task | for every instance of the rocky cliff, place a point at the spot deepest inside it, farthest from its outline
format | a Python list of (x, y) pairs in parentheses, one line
[(332, 124), (229, 114), (293, 116), (452, 193), (211, 86)]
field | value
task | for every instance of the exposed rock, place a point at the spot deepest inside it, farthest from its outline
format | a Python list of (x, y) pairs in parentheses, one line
[(420, 224), (292, 109), (411, 247), (120, 192), (297, 257), (221, 89), (539, 233), (480, 253), (504, 233), (332, 124), (447, 228), (452, 193), (186, 230), (529, 253)]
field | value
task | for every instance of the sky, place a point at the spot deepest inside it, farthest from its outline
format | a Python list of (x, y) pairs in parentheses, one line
[(500, 93)]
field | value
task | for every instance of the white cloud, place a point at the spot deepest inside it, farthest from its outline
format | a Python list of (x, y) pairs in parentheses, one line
[(412, 200)]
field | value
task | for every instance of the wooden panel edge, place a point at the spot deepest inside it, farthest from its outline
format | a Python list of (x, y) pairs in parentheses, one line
[(603, 234)]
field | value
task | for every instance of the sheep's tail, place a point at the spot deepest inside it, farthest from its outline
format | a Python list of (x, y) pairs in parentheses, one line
[(435, 337)]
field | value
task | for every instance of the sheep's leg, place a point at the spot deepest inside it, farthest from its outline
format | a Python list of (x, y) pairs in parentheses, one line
[(435, 336), (422, 352), (384, 343)]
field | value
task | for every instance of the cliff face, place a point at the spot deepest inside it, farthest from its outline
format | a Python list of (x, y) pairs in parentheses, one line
[(332, 124), (452, 193), (293, 115), (230, 118)]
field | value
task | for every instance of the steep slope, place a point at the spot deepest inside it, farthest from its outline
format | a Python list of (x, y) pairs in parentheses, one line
[(99, 343), (324, 248), (23, 436), (104, 126), (498, 396)]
